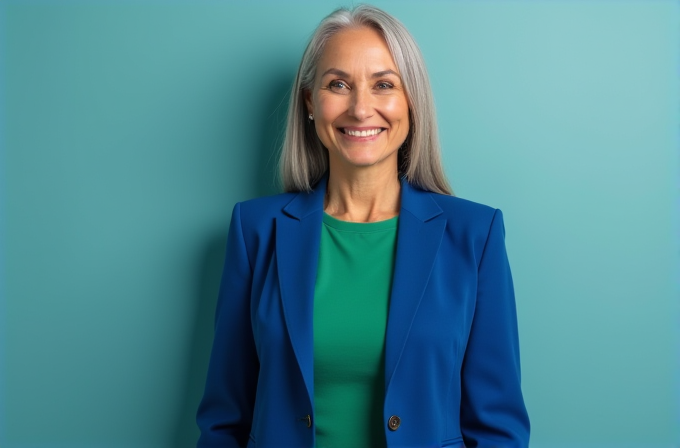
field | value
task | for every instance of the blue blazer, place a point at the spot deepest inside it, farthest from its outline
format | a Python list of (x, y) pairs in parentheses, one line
[(452, 371)]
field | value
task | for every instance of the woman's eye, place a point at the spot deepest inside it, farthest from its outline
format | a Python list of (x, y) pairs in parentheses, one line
[(338, 86), (384, 85)]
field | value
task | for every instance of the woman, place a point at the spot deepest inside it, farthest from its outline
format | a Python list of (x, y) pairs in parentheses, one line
[(366, 306)]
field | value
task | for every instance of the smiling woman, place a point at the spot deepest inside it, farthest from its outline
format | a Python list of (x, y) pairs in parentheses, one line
[(359, 108), (361, 116), (367, 89), (366, 306)]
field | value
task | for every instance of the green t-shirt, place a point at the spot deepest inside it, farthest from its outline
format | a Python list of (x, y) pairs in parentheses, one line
[(351, 300)]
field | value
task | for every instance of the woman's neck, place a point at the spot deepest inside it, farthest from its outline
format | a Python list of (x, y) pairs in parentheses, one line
[(363, 196)]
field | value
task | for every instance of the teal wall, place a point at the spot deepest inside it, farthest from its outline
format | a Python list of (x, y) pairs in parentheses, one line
[(129, 129)]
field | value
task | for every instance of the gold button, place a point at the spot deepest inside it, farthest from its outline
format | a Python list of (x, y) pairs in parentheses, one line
[(394, 422), (307, 419)]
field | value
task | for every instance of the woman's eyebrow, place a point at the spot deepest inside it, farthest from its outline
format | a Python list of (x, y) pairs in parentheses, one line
[(335, 71), (380, 74), (385, 72)]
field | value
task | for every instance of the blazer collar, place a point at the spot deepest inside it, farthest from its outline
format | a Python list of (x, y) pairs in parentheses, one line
[(304, 204), (298, 233), (418, 202), (419, 235)]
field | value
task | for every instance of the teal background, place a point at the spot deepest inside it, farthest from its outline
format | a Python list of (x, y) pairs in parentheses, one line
[(128, 131)]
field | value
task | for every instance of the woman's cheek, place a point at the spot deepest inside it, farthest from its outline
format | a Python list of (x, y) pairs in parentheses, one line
[(395, 108), (331, 107)]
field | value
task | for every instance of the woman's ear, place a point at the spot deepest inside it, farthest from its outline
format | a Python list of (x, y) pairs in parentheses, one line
[(308, 101)]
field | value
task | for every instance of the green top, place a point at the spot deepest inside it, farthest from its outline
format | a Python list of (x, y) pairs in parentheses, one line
[(351, 300)]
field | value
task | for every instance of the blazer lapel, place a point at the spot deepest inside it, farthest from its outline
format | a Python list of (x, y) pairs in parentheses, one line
[(418, 239), (298, 235)]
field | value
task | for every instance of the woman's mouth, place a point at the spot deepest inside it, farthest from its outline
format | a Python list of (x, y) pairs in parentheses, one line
[(362, 132)]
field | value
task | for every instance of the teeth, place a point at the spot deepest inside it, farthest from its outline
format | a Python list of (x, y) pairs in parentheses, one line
[(363, 133)]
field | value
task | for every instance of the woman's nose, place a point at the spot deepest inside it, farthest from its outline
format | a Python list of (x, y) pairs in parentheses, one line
[(361, 104)]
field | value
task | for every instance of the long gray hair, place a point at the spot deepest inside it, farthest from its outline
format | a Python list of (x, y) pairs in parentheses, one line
[(304, 160)]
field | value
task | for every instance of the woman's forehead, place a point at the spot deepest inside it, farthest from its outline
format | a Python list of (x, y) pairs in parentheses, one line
[(357, 49)]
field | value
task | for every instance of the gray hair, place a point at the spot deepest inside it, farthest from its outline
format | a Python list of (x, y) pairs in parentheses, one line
[(304, 160)]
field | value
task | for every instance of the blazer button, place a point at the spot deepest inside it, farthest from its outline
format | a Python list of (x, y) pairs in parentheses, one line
[(307, 419), (394, 422)]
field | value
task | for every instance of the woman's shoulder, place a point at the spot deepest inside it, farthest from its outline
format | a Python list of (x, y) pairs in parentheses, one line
[(462, 208), (458, 204), (466, 213), (257, 216), (264, 203), (264, 206)]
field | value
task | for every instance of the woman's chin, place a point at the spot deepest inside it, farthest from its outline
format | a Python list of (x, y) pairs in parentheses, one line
[(365, 161)]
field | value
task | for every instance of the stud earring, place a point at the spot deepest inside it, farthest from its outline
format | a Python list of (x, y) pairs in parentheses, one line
[(311, 117)]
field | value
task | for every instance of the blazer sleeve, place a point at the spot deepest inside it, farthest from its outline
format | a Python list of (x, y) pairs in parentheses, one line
[(225, 412), (492, 408)]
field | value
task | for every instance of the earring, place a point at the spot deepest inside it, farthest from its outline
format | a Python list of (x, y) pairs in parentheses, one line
[(311, 117)]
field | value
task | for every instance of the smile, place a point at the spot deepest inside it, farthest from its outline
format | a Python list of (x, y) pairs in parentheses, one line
[(362, 132)]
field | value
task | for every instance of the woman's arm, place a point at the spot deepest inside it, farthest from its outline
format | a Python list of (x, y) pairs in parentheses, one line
[(492, 408), (225, 413)]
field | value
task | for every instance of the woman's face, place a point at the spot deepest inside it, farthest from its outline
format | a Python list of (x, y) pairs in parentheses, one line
[(358, 101)]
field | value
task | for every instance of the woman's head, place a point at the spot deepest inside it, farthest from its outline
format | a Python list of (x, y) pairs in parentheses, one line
[(304, 159)]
